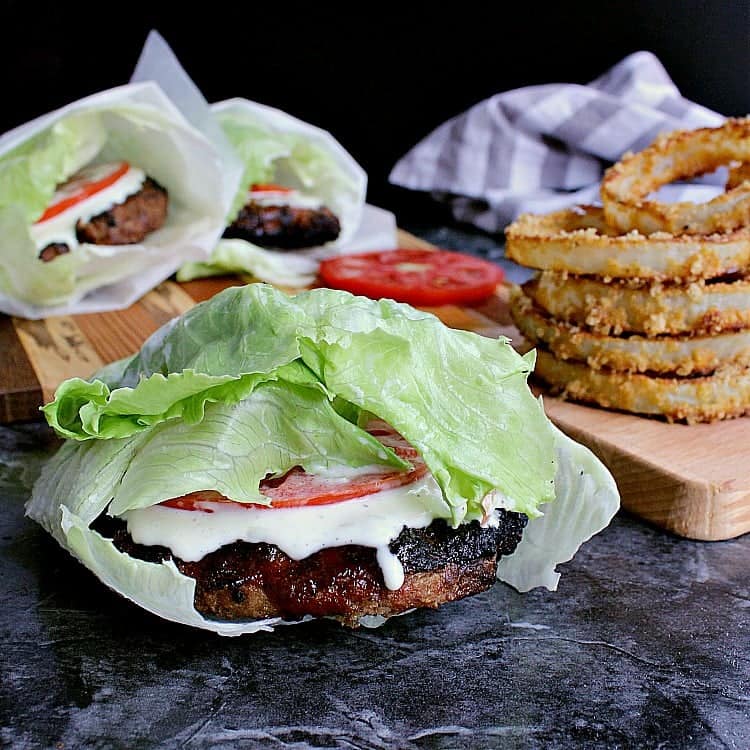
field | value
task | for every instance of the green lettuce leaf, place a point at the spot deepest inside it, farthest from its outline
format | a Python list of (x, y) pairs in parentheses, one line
[(586, 500), (235, 446), (22, 274), (238, 256), (30, 173), (288, 158), (459, 398), (87, 410), (258, 149)]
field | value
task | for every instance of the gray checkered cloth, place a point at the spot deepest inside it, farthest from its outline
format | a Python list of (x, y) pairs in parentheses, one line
[(542, 148)]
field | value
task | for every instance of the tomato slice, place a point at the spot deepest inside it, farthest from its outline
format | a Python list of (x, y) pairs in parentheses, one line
[(419, 277), (83, 185), (297, 488), (269, 187)]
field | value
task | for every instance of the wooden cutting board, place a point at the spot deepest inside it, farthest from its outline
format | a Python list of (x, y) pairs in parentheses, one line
[(691, 480)]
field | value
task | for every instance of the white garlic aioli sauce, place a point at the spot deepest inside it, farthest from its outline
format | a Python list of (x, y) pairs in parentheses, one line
[(62, 228), (370, 521), (291, 198)]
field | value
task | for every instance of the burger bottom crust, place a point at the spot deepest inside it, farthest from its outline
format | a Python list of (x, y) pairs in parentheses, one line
[(346, 594), (244, 581)]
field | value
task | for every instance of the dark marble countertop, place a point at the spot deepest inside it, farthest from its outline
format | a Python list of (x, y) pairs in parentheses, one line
[(646, 644)]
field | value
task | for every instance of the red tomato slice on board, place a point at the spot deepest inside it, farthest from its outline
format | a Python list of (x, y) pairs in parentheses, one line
[(297, 488), (419, 277), (83, 185)]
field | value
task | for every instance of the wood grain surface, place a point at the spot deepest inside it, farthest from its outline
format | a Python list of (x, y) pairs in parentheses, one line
[(691, 480)]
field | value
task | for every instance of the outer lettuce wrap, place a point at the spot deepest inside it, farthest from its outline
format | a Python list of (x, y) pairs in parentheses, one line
[(135, 123), (253, 382)]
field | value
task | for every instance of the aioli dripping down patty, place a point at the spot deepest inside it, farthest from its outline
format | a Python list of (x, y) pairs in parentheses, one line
[(245, 581)]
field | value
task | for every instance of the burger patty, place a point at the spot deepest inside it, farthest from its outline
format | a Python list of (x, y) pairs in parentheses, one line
[(243, 581), (51, 251), (130, 221), (284, 227), (124, 224)]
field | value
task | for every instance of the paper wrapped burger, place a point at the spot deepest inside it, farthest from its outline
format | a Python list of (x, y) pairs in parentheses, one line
[(102, 200), (268, 459), (301, 197)]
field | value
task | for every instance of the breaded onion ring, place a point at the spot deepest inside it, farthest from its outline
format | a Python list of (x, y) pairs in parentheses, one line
[(723, 395), (737, 175), (653, 309), (677, 156), (579, 241), (679, 355)]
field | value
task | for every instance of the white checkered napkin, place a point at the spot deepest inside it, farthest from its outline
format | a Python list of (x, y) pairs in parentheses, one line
[(542, 148)]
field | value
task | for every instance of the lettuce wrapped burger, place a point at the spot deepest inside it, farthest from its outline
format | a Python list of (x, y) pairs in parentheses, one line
[(301, 196), (265, 459), (116, 191)]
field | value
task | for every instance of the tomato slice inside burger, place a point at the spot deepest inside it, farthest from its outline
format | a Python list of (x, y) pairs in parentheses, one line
[(297, 488), (269, 187), (419, 277), (83, 185)]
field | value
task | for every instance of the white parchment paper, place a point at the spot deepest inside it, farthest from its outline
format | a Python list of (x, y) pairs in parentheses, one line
[(144, 127)]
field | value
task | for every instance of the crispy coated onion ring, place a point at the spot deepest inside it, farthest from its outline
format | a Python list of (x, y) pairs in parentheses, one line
[(679, 155), (579, 241), (680, 355), (723, 395), (653, 309), (738, 175)]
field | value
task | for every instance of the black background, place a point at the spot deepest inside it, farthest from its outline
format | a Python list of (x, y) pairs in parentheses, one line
[(379, 76)]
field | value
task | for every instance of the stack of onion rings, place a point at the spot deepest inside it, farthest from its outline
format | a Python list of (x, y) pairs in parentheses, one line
[(643, 306)]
